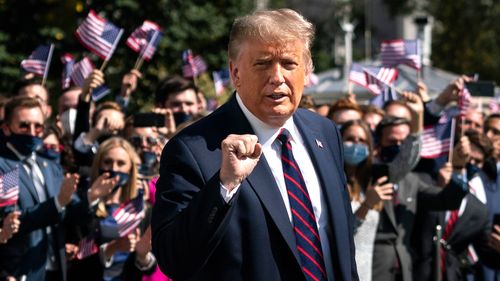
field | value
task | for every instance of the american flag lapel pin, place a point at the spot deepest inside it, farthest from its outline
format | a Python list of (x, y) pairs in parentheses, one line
[(319, 143)]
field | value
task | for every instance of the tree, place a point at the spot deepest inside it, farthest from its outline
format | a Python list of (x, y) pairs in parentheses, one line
[(202, 26)]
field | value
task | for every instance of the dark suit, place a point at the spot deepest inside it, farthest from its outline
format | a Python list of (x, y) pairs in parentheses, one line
[(197, 236), (26, 252), (472, 227), (393, 238)]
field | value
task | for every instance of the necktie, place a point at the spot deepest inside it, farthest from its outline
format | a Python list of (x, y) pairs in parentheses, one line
[(452, 220), (36, 175), (304, 222)]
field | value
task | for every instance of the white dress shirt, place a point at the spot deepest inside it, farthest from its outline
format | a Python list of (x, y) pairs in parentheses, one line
[(271, 148)]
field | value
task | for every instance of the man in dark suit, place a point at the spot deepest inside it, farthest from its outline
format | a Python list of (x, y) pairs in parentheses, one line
[(45, 197), (256, 190)]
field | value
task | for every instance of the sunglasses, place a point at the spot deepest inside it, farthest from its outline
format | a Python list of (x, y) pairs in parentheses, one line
[(138, 141)]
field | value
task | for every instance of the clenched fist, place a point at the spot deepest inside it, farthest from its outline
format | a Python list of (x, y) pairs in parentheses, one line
[(240, 154)]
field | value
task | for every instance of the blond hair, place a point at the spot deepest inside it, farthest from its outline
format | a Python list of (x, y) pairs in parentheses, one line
[(128, 191), (272, 26)]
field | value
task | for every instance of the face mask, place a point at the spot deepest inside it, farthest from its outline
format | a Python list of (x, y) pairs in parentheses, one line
[(355, 153), (68, 118), (50, 153), (472, 170), (148, 162), (25, 144), (388, 153), (123, 178)]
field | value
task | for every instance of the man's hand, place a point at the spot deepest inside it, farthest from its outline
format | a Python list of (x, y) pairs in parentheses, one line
[(494, 239), (170, 127), (422, 91), (461, 153), (444, 175), (71, 251), (68, 187), (94, 80), (417, 111), (452, 91), (240, 154), (10, 226), (129, 82)]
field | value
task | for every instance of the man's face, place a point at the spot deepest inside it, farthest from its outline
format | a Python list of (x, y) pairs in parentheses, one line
[(25, 121), (493, 129), (146, 139), (473, 121), (185, 102), (270, 79), (115, 120), (394, 135), (40, 93)]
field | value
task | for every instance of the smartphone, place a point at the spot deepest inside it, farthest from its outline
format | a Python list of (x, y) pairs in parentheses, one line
[(380, 170), (149, 119), (481, 88), (181, 117)]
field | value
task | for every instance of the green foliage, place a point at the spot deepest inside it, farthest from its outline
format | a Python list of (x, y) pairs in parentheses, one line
[(467, 36), (202, 26)]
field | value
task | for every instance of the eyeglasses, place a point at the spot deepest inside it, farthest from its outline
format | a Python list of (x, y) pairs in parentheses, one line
[(27, 126), (138, 140)]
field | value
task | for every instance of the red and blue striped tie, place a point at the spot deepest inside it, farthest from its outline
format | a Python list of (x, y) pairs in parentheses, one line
[(304, 222)]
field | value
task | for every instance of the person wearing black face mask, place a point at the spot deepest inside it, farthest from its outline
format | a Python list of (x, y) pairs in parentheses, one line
[(115, 164), (397, 156), (44, 200)]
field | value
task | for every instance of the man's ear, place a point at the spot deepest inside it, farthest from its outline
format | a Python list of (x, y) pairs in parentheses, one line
[(235, 75)]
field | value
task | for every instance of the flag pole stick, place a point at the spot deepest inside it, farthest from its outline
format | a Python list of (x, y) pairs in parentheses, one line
[(349, 87), (140, 59), (452, 138), (49, 58)]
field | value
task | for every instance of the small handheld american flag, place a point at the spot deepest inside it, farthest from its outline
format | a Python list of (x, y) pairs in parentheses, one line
[(129, 215), (38, 62), (145, 39), (192, 66), (99, 35), (394, 52), (9, 187), (68, 62)]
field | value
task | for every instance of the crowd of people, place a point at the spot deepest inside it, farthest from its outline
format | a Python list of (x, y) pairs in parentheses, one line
[(82, 162)]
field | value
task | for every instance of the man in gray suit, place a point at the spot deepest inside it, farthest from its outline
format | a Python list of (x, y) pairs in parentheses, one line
[(392, 255)]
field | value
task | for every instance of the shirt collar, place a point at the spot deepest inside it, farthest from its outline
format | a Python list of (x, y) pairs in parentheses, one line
[(265, 133)]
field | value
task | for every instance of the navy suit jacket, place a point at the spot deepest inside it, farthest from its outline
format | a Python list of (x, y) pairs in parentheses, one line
[(197, 236), (26, 252)]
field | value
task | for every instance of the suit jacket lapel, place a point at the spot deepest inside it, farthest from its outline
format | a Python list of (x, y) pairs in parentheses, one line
[(389, 210), (330, 175), (261, 180)]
